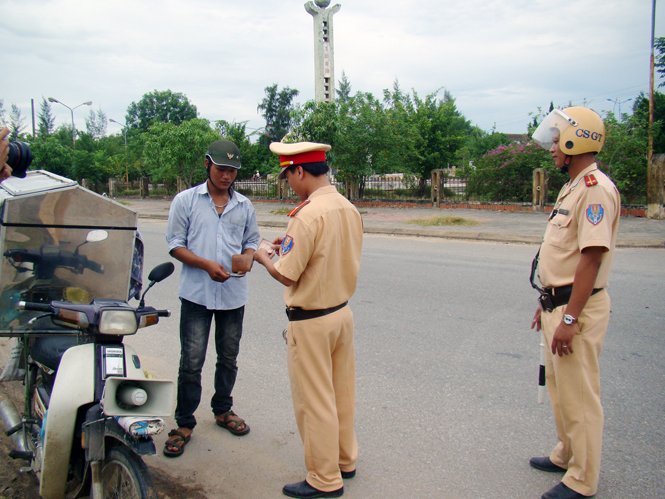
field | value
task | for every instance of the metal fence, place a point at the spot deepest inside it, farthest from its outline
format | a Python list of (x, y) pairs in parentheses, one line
[(386, 188), (379, 188), (374, 188)]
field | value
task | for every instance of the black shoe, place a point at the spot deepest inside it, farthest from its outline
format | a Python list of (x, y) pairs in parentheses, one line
[(348, 474), (544, 464), (306, 491), (561, 491)]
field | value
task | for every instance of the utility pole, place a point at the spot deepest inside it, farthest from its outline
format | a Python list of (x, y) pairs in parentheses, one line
[(651, 76), (32, 102), (655, 166)]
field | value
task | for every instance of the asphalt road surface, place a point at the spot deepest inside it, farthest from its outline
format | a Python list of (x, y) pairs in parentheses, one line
[(446, 378)]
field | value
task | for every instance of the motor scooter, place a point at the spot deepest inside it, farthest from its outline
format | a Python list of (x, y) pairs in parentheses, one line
[(81, 390), (89, 411)]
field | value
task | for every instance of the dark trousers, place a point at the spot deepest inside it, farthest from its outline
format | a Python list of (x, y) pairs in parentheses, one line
[(195, 322)]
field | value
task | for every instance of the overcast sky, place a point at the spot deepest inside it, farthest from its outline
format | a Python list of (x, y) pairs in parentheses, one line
[(500, 59)]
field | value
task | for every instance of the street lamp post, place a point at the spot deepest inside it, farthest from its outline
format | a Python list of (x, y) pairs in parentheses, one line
[(87, 103), (125, 127), (617, 101)]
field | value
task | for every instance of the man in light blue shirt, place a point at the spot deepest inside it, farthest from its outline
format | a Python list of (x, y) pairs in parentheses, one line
[(208, 224)]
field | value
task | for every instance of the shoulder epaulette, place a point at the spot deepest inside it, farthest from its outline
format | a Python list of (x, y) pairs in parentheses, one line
[(590, 180), (298, 208)]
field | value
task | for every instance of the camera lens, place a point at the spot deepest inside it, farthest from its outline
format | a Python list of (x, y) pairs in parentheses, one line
[(20, 157)]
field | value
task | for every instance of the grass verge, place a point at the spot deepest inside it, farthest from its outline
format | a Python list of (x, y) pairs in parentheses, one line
[(436, 221)]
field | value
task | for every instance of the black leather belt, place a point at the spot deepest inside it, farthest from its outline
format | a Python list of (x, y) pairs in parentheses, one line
[(299, 314), (556, 297)]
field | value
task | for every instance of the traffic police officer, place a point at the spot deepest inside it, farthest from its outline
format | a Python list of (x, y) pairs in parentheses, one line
[(575, 260), (318, 264)]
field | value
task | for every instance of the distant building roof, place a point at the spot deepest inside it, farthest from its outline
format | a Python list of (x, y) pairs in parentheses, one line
[(522, 138)]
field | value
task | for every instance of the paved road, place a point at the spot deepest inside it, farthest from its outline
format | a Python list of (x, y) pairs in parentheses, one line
[(446, 370)]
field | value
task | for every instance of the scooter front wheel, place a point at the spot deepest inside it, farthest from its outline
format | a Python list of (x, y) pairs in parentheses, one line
[(125, 476)]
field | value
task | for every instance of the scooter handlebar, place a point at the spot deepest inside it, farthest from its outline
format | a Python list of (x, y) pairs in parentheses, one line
[(27, 305)]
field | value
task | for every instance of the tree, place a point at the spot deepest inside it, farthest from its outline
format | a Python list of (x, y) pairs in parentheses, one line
[(46, 119), (96, 124), (2, 111), (160, 107), (478, 143), (405, 134), (442, 130), (64, 134), (52, 155), (173, 151), (358, 131), (623, 156), (344, 91), (321, 122), (641, 113), (659, 63), (16, 125), (254, 156), (276, 108), (506, 173), (364, 144)]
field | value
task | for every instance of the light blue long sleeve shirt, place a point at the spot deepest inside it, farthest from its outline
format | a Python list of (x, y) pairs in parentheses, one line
[(194, 224)]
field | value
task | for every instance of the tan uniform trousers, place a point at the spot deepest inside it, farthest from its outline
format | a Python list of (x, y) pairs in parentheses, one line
[(321, 363), (573, 382)]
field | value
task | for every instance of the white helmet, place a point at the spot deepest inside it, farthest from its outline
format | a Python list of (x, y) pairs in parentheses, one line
[(580, 130)]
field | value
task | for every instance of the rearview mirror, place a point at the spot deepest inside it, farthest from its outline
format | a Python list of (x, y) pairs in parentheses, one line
[(161, 272), (95, 236)]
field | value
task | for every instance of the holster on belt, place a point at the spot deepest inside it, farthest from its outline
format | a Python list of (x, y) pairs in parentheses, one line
[(551, 298)]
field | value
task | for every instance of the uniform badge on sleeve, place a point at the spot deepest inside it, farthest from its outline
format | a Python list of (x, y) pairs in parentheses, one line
[(287, 244), (595, 213)]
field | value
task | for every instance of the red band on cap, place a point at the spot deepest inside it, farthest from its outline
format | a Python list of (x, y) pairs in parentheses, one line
[(304, 157)]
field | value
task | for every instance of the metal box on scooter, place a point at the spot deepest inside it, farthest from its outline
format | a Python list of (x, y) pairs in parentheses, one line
[(47, 252)]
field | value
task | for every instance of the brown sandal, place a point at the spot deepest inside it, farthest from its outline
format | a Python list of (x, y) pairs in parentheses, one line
[(226, 422), (179, 443)]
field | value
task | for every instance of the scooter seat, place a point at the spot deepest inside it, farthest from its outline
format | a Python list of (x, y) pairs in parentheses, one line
[(50, 349)]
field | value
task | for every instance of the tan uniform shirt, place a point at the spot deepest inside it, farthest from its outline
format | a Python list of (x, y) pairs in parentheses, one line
[(588, 210), (321, 251)]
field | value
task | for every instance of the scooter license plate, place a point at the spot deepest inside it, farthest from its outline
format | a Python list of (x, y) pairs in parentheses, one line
[(114, 361)]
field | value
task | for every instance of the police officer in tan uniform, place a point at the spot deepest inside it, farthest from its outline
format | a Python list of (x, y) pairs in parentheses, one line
[(318, 264), (575, 260)]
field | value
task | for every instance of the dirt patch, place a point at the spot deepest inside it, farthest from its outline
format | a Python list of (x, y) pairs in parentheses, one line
[(168, 488), (388, 216), (17, 485)]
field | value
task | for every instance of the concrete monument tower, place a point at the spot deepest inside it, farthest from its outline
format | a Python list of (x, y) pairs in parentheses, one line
[(324, 49)]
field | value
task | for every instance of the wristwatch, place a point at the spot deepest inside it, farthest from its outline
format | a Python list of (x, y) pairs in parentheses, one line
[(569, 320)]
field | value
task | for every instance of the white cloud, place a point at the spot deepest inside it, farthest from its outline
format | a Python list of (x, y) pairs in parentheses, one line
[(500, 59)]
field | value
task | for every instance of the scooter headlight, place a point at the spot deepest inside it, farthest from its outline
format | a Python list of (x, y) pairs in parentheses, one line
[(118, 322)]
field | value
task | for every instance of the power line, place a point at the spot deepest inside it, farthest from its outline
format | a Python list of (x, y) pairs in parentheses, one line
[(584, 101)]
